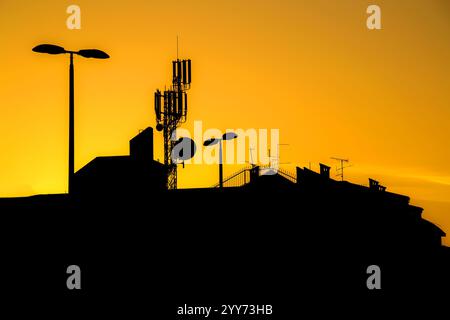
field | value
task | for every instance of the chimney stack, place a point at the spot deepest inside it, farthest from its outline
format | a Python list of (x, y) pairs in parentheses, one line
[(324, 170), (141, 146), (375, 185)]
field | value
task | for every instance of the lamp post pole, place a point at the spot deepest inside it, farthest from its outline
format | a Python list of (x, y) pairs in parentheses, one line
[(71, 126), (86, 53), (213, 141), (220, 165)]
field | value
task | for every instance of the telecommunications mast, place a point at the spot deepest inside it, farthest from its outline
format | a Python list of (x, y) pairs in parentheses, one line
[(171, 112)]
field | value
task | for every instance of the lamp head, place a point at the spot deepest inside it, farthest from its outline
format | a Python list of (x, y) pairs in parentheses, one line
[(49, 48), (93, 53), (211, 142), (229, 136)]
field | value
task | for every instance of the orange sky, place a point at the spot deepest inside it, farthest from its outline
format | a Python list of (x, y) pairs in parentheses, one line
[(309, 68)]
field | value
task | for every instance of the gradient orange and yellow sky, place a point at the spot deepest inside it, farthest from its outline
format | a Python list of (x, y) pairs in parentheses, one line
[(309, 68)]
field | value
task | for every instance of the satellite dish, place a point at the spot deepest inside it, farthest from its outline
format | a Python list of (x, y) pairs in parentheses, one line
[(268, 171), (183, 149), (159, 127)]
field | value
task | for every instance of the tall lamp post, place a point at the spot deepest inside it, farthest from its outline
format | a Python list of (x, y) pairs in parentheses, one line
[(87, 53), (213, 141)]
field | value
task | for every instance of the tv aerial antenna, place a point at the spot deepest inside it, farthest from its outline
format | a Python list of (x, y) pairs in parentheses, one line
[(276, 159), (342, 166), (252, 163)]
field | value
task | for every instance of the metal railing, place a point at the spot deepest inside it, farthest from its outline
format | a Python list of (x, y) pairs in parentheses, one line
[(288, 175), (242, 177), (237, 179)]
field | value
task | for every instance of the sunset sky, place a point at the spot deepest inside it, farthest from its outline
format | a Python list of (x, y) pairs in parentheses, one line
[(309, 68)]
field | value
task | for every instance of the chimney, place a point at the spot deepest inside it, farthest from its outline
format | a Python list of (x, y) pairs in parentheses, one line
[(254, 173), (324, 170), (375, 185), (299, 174), (141, 146)]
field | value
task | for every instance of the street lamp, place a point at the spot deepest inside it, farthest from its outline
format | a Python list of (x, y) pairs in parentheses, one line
[(213, 141), (87, 53)]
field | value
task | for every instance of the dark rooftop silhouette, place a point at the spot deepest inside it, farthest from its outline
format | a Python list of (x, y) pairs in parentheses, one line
[(255, 237)]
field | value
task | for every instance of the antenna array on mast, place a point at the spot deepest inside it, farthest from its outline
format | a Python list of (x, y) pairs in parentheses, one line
[(171, 111)]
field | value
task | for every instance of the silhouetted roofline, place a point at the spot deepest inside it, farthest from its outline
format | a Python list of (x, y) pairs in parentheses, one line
[(101, 159)]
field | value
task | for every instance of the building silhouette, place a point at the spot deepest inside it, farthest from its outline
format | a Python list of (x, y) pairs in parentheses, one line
[(388, 219), (266, 234), (137, 173)]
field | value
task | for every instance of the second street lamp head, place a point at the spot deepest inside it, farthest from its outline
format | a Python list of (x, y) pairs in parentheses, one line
[(93, 53), (211, 142), (229, 136)]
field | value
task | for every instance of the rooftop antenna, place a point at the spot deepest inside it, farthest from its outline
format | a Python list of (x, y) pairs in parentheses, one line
[(171, 112), (340, 170), (251, 157), (277, 156), (274, 161)]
